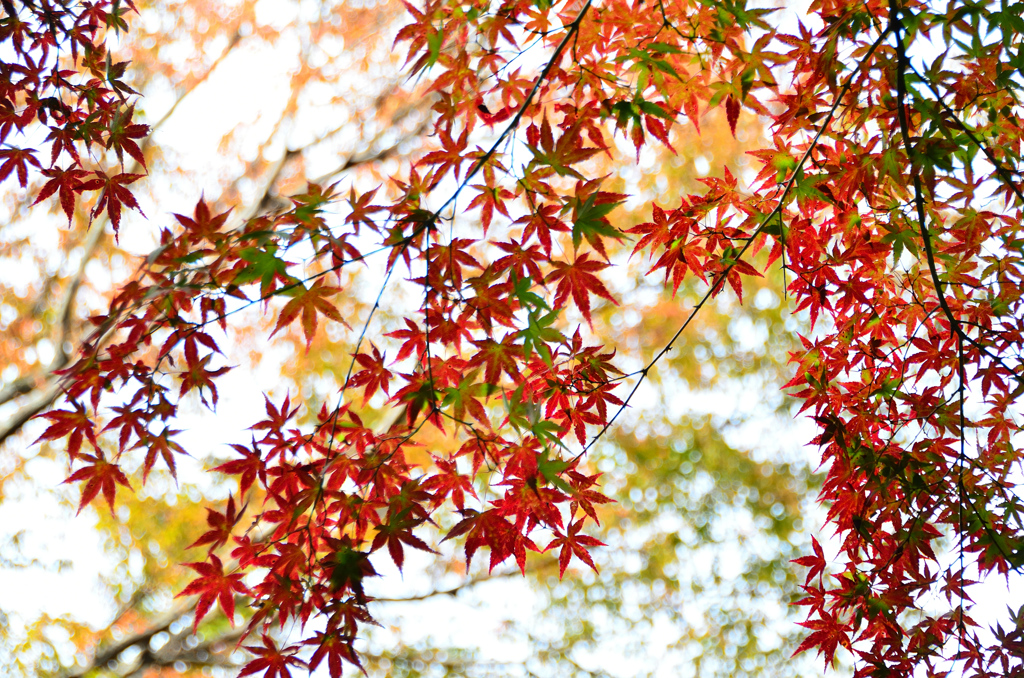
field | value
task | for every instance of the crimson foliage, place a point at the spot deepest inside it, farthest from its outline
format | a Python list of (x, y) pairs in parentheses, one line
[(888, 189)]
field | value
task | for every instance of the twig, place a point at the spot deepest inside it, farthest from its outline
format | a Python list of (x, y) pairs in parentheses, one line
[(717, 284), (1004, 174)]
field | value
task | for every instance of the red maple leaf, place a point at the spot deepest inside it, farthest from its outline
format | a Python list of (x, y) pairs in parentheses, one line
[(163, 445), (336, 648), (113, 195), (578, 279), (414, 341), (558, 155), (449, 482), (122, 135), (197, 375), (523, 262), (249, 467), (310, 303), (490, 199), (202, 224), (373, 375), (77, 424), (583, 497), (450, 156), (490, 529), (271, 659), (99, 475), (827, 635), (732, 112), (17, 159), (542, 221), (816, 563), (497, 357), (396, 532), (131, 420), (65, 183), (362, 209), (573, 544), (220, 525), (214, 586)]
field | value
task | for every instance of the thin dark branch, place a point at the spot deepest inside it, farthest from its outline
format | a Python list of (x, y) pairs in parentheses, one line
[(776, 212), (1005, 174), (902, 64), (573, 28), (896, 26)]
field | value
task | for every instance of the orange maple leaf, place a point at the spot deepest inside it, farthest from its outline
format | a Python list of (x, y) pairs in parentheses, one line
[(310, 303)]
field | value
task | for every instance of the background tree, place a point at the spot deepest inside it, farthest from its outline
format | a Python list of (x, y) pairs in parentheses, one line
[(868, 193)]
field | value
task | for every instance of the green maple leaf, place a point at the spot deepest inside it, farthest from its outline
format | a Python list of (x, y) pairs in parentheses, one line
[(263, 266), (538, 333), (560, 155), (899, 239), (590, 223), (551, 469)]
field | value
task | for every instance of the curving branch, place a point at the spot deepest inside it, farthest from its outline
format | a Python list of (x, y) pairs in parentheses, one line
[(19, 387), (141, 639), (776, 212), (39, 401), (183, 647), (267, 200)]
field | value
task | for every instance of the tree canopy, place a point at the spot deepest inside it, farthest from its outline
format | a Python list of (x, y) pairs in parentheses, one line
[(510, 248)]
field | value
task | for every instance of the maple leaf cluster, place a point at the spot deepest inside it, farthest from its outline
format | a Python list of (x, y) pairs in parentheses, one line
[(82, 102), (867, 194)]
